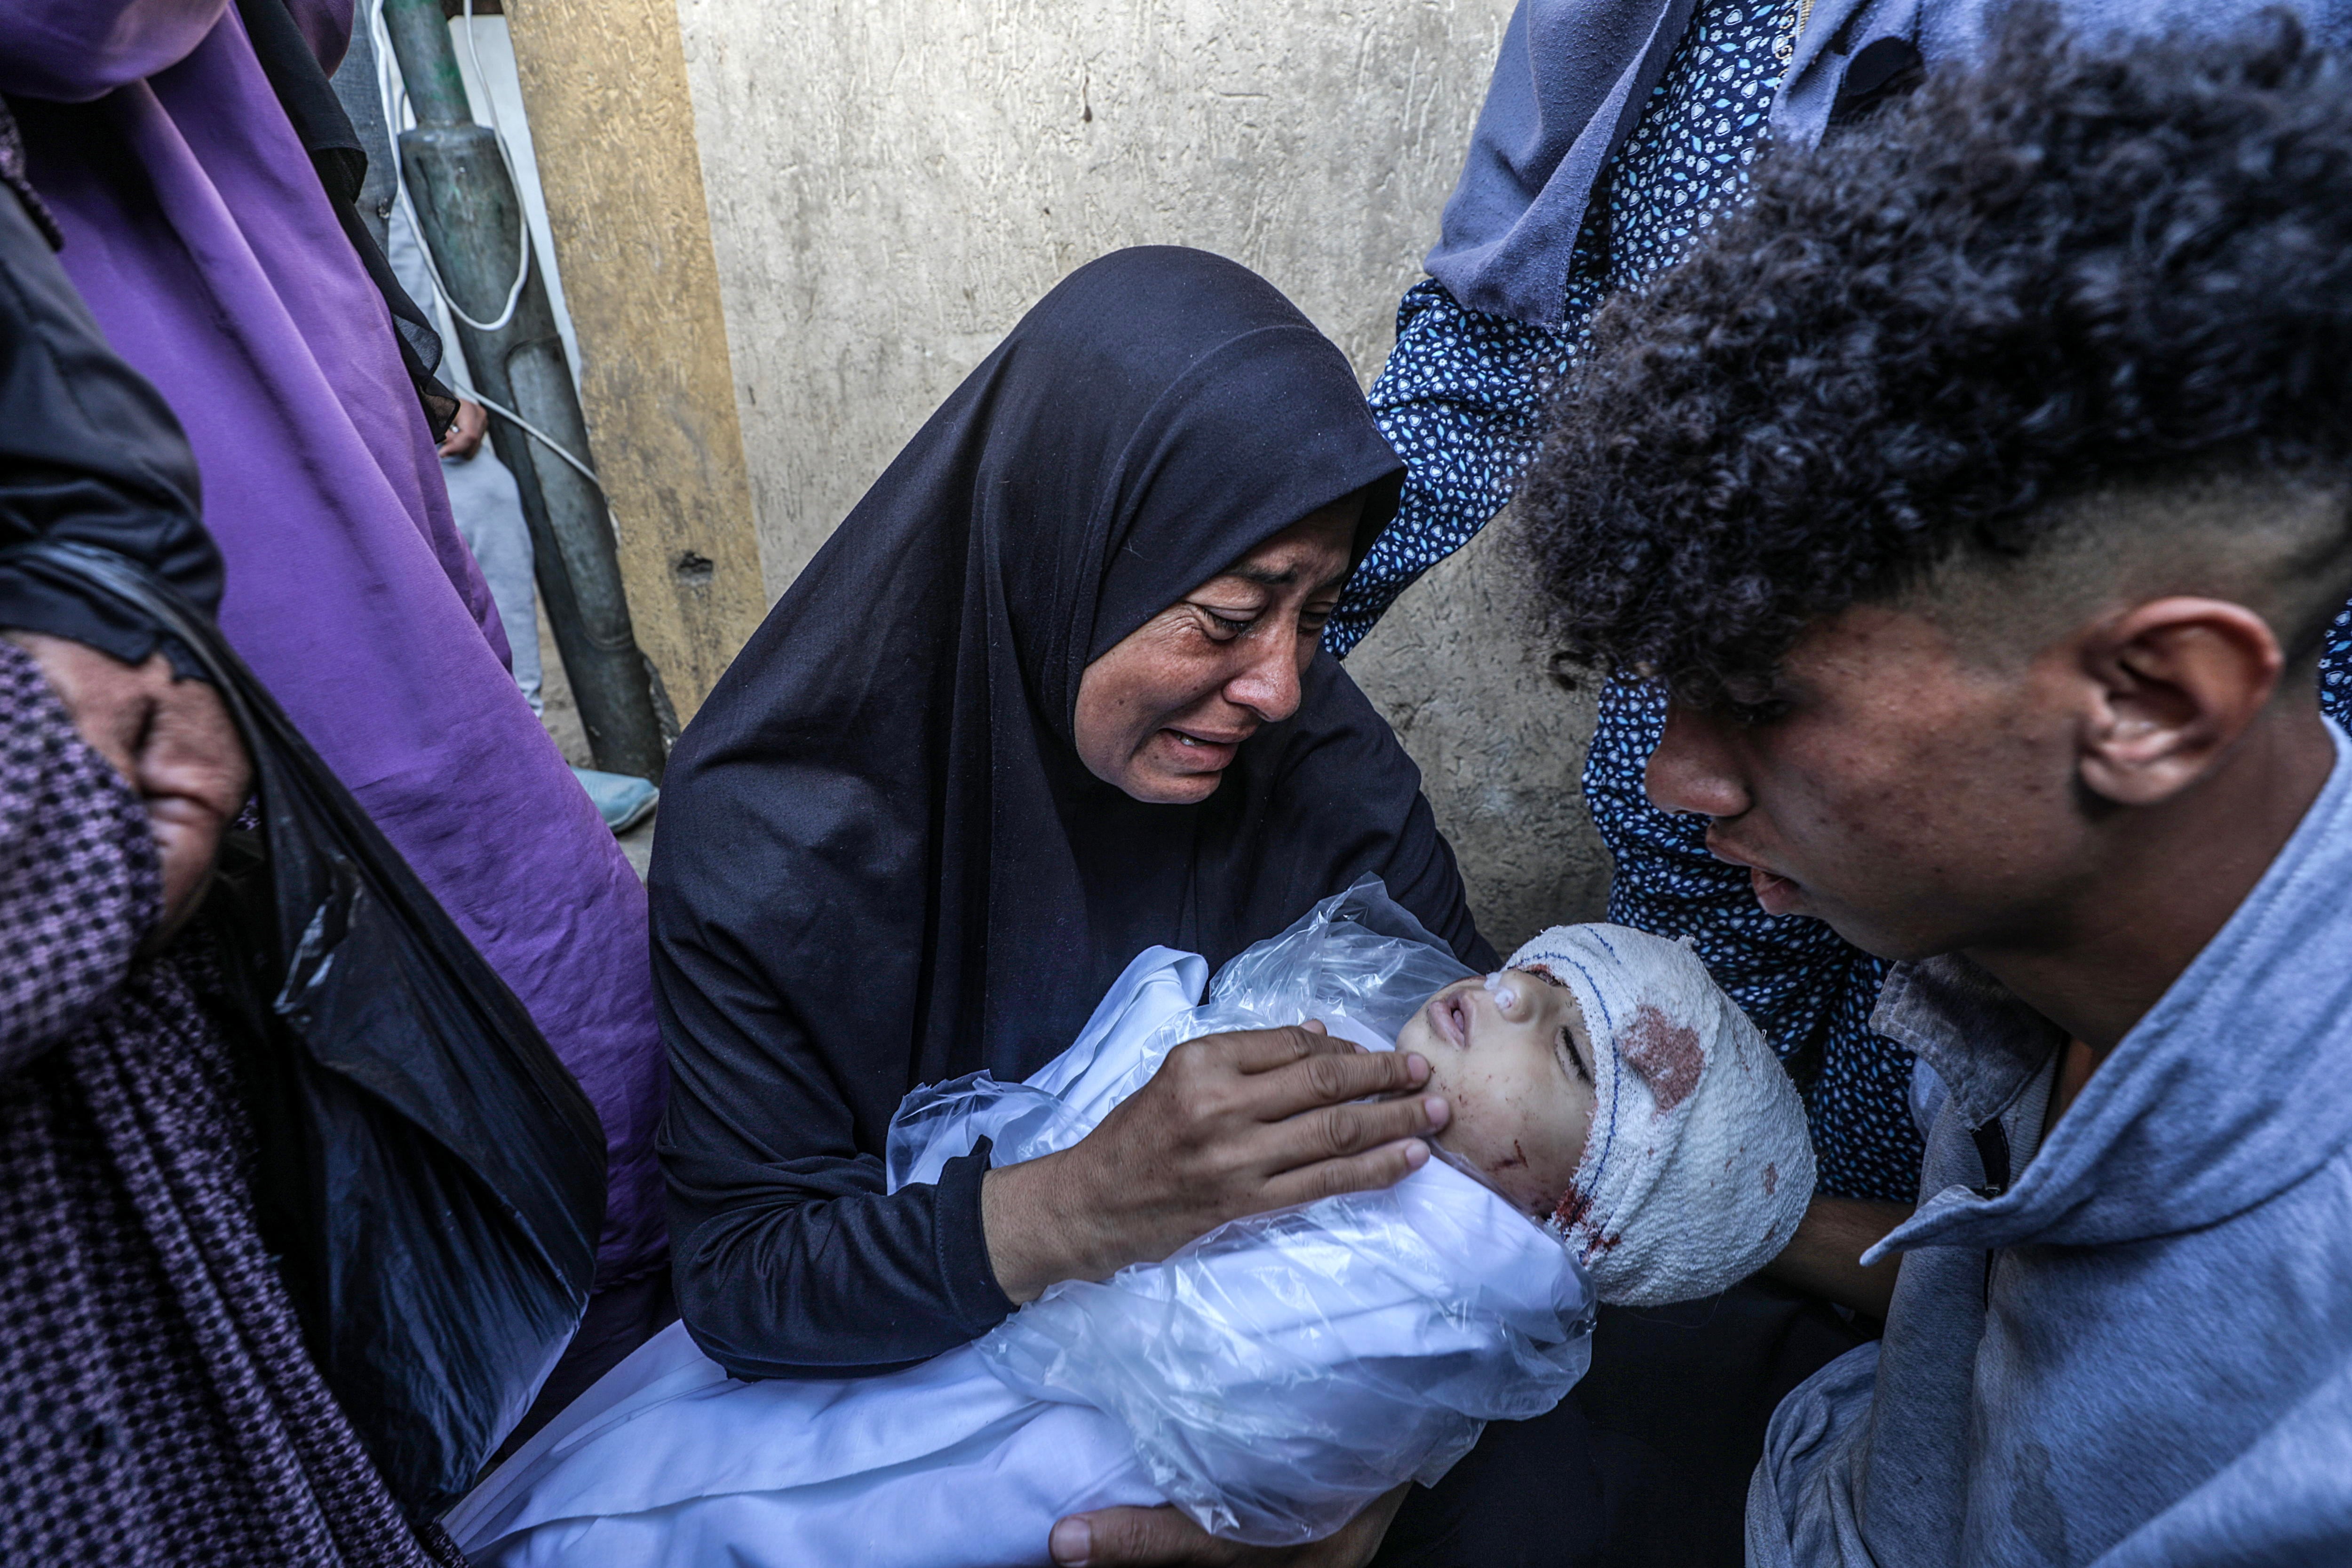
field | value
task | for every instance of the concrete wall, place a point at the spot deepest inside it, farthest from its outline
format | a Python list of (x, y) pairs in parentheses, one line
[(1500, 744), (891, 182)]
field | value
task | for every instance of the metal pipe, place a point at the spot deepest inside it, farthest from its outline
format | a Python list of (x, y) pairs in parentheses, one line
[(471, 218)]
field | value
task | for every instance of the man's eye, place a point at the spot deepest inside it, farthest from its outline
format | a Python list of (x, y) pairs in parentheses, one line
[(1751, 701), (1766, 711)]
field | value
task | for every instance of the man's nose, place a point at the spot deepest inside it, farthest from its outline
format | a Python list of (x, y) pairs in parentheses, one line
[(1268, 685), (1693, 769)]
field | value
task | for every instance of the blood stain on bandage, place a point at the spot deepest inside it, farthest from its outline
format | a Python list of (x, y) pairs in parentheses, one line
[(1772, 1178), (1573, 1206), (1666, 1054)]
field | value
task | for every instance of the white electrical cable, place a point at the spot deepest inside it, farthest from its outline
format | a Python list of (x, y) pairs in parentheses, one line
[(392, 113), (394, 104), (541, 437)]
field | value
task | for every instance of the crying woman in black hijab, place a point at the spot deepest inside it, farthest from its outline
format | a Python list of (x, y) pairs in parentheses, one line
[(1050, 694)]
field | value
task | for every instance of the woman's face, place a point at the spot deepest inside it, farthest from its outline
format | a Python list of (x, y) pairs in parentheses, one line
[(1163, 713)]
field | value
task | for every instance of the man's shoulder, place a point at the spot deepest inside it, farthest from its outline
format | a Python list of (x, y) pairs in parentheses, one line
[(2284, 1497)]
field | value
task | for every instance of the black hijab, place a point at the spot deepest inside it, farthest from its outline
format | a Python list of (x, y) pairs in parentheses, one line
[(882, 863)]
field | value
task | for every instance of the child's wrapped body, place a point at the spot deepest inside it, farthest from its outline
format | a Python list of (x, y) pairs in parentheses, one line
[(1270, 1378)]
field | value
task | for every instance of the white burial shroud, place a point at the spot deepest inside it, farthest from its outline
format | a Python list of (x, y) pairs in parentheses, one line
[(1269, 1378)]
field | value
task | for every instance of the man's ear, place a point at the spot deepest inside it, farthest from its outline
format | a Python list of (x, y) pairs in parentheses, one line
[(2175, 681)]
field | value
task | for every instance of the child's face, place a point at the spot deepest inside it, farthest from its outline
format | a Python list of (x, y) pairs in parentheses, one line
[(1514, 1062)]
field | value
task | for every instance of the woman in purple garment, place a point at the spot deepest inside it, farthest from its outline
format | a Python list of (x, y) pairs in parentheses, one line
[(199, 234)]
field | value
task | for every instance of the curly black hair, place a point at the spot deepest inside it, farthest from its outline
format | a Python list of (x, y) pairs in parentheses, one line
[(2076, 265)]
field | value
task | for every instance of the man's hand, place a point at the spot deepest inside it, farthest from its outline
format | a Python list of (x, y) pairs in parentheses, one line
[(466, 432), (171, 740), (1230, 1125), (1163, 1538)]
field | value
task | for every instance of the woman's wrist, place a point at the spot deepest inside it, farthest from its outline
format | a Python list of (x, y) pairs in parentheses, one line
[(1035, 1228)]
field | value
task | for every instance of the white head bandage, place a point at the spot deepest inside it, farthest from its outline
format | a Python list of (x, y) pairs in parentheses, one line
[(1698, 1165)]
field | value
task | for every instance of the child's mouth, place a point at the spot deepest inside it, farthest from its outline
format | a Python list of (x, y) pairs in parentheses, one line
[(1449, 1016)]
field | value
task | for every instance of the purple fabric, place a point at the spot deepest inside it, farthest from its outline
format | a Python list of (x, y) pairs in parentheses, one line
[(202, 239)]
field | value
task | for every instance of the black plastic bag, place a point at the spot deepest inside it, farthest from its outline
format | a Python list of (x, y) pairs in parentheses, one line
[(431, 1178)]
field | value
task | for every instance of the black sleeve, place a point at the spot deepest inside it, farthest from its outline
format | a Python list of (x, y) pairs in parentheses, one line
[(790, 1259), (89, 454)]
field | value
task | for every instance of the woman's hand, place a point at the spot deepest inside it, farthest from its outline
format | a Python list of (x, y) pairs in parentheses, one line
[(1163, 1538), (172, 741), (1230, 1125)]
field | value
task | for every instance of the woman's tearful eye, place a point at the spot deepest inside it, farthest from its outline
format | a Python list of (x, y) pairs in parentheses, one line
[(1223, 626)]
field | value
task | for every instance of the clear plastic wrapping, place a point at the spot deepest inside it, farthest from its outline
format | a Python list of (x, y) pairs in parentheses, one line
[(1284, 1370)]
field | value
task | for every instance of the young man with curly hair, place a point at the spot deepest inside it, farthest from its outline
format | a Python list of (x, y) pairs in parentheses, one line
[(1982, 496)]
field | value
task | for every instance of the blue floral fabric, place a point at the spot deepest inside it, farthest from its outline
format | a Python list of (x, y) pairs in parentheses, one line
[(2336, 671), (1462, 400), (1462, 395)]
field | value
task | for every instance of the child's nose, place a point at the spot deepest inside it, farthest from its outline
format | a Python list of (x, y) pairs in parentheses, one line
[(1509, 995)]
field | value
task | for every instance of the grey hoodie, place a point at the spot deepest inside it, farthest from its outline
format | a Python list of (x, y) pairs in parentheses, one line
[(2140, 1353)]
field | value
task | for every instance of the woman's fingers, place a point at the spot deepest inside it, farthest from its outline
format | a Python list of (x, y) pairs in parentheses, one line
[(1375, 1168), (1341, 1131), (1268, 1050), (110, 701), (1163, 1538), (1142, 1538), (191, 769), (1226, 1119), (172, 742), (1332, 1079)]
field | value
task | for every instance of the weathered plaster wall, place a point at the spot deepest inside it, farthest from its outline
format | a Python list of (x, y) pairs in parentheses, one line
[(891, 182)]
